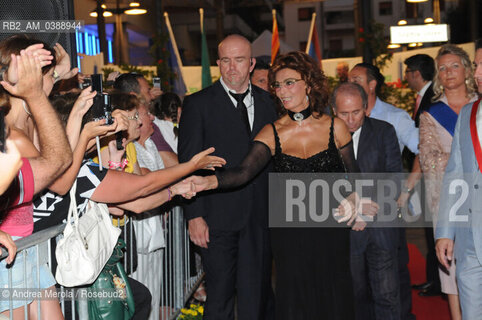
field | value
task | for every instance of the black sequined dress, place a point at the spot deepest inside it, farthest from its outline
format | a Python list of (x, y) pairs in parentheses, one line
[(313, 279)]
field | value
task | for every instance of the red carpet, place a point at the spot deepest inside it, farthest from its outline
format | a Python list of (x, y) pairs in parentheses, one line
[(424, 308)]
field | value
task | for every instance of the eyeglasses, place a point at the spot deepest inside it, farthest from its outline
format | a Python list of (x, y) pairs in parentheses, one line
[(408, 70), (134, 117), (288, 83)]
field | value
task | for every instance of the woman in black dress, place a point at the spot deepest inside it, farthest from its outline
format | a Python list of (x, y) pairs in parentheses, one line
[(313, 278)]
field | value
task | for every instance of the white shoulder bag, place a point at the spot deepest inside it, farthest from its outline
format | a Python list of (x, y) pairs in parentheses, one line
[(87, 244)]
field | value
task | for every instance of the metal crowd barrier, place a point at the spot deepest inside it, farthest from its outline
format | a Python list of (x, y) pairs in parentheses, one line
[(176, 285)]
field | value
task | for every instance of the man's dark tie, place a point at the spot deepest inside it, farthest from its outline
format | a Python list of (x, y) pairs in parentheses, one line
[(241, 107)]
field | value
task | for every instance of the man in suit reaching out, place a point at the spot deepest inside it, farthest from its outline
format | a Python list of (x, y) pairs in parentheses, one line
[(231, 227), (374, 251)]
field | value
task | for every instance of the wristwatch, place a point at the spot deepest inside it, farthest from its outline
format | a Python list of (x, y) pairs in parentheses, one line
[(405, 189)]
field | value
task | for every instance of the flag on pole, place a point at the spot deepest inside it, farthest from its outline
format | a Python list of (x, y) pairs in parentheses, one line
[(205, 64), (274, 38), (175, 62), (313, 44)]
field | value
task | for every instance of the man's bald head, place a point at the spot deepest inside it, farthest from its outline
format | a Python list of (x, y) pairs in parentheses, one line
[(234, 40), (235, 62)]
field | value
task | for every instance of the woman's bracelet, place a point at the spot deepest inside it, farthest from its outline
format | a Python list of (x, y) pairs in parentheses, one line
[(118, 165), (169, 194)]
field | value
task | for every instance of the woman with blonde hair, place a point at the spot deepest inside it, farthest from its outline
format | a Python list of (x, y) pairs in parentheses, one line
[(454, 87)]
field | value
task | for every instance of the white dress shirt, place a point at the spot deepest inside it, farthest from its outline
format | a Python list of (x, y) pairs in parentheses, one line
[(248, 101), (356, 138)]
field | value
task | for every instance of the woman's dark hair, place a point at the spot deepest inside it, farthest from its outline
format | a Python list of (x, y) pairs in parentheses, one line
[(63, 104), (166, 107), (16, 43), (123, 101), (119, 100), (310, 73)]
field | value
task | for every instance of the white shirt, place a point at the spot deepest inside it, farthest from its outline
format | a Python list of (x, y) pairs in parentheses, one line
[(248, 100), (356, 138), (424, 89), (167, 131), (148, 157)]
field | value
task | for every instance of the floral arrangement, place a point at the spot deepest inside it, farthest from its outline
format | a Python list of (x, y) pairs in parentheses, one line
[(195, 312)]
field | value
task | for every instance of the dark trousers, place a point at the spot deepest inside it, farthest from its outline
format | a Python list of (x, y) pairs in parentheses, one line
[(405, 286), (238, 263), (374, 269), (142, 299), (431, 268)]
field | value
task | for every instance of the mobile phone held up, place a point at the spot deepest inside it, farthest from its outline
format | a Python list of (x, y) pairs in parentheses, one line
[(101, 108), (156, 82)]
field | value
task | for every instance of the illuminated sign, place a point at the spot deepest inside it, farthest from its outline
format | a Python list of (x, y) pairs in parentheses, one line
[(420, 33)]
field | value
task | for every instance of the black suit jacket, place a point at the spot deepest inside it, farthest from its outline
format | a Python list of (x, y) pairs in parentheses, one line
[(424, 104), (209, 119), (378, 152)]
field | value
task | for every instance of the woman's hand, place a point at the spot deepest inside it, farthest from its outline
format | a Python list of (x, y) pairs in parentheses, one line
[(346, 211), (203, 160), (8, 243), (63, 63), (29, 75), (121, 118), (185, 188), (93, 129), (84, 102), (116, 155), (403, 199), (37, 50)]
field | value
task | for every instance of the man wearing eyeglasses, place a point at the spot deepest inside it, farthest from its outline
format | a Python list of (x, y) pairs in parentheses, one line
[(231, 227), (419, 74)]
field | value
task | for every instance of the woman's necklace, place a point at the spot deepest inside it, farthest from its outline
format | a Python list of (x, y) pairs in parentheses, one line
[(300, 116)]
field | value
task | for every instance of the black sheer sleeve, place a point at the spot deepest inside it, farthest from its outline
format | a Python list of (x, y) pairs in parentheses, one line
[(348, 156), (257, 158)]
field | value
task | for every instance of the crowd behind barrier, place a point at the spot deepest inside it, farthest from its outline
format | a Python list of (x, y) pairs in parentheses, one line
[(177, 281)]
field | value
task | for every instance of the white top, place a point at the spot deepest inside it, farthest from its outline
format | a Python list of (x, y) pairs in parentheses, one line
[(148, 157), (167, 131), (149, 234), (248, 101)]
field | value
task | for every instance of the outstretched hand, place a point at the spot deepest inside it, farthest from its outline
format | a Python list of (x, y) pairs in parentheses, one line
[(203, 160)]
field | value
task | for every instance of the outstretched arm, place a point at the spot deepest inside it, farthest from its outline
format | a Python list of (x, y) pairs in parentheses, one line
[(135, 186)]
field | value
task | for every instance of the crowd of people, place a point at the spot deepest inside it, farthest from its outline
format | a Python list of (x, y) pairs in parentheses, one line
[(254, 120)]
